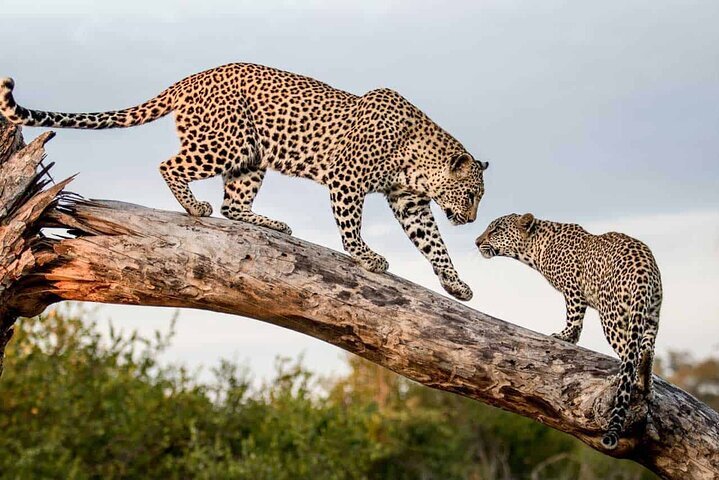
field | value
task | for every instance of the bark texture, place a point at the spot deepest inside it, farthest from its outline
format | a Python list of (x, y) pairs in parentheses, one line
[(22, 203), (127, 254)]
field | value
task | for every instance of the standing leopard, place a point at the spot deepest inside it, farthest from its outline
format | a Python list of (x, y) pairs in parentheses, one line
[(240, 119), (612, 273)]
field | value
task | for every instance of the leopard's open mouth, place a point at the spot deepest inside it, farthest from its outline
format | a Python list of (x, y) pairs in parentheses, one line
[(487, 250)]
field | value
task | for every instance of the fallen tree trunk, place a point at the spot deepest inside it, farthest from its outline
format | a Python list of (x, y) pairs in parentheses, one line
[(127, 254)]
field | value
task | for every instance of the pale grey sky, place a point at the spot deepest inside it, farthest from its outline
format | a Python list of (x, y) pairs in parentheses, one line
[(601, 113)]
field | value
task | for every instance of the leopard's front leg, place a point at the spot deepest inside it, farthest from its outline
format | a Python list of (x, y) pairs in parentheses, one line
[(347, 206), (415, 215), (576, 307)]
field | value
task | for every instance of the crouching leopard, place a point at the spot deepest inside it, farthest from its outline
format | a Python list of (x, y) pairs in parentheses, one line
[(238, 120), (612, 273)]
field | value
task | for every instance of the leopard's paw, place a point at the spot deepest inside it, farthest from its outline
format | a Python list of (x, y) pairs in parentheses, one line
[(651, 429), (372, 261), (280, 227), (565, 337), (455, 287), (560, 336), (201, 209)]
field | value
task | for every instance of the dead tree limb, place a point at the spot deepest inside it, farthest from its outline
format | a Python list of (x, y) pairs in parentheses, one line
[(127, 254)]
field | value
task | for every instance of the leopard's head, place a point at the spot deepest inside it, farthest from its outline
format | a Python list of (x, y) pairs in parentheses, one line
[(459, 187), (507, 236)]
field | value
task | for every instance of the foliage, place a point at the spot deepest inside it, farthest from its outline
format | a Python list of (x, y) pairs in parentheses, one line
[(441, 435), (700, 378), (77, 404)]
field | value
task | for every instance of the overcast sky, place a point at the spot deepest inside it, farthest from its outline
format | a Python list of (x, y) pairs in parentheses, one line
[(600, 113)]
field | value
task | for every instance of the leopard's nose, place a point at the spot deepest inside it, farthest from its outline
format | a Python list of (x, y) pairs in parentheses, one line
[(473, 212)]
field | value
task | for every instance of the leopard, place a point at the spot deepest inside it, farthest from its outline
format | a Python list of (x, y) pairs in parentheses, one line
[(613, 273), (241, 119)]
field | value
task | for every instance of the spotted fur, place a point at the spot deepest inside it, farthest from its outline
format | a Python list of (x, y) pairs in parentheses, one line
[(612, 273), (238, 120)]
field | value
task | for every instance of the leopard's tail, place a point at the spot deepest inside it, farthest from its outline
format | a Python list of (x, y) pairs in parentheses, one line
[(151, 110), (628, 371)]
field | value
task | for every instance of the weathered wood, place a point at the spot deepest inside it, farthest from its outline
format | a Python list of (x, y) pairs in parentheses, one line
[(127, 254), (10, 139), (22, 202)]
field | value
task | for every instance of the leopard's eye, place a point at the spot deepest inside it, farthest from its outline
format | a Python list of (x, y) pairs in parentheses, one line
[(471, 197)]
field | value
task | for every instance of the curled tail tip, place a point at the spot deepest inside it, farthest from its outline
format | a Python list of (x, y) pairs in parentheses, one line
[(8, 107), (7, 83), (610, 441)]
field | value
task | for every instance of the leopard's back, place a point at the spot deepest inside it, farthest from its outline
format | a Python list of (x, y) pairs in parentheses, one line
[(620, 270)]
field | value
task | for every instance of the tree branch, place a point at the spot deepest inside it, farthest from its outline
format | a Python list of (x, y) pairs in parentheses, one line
[(127, 254)]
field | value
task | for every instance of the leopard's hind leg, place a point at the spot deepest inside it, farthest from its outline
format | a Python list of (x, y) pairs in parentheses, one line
[(178, 172), (216, 136), (241, 187), (646, 359)]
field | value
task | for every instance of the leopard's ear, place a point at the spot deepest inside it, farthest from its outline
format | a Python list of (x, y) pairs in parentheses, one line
[(527, 222), (460, 163), (484, 165)]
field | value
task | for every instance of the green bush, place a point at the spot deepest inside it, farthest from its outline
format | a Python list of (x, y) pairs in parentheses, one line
[(77, 405)]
